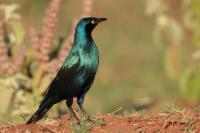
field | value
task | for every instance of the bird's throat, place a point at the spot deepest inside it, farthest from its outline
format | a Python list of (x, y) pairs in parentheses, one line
[(82, 39)]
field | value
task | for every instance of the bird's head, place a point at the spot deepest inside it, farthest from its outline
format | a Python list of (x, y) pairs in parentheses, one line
[(86, 25)]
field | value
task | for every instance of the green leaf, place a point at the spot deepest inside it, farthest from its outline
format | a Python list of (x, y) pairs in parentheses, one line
[(5, 97), (18, 30), (10, 11), (173, 62), (190, 84)]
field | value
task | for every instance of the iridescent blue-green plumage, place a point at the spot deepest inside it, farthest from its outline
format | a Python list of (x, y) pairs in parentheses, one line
[(77, 73)]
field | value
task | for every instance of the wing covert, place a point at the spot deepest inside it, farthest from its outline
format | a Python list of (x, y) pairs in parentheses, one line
[(68, 70)]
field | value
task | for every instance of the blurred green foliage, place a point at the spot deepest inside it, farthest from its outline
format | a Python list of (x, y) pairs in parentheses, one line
[(190, 81), (25, 61), (177, 35), (15, 86)]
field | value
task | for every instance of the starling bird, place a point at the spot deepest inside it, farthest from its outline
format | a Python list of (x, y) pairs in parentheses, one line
[(77, 73)]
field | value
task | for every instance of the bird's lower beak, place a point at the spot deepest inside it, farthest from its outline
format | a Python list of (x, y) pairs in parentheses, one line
[(99, 20)]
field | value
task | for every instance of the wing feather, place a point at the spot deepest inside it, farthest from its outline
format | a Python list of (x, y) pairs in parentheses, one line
[(69, 69)]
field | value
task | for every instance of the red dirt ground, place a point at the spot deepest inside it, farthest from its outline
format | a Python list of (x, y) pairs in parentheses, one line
[(178, 122)]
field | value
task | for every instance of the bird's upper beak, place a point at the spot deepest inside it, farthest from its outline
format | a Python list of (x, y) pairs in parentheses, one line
[(99, 20)]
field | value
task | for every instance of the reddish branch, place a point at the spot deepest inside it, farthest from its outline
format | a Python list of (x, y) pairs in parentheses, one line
[(48, 31), (8, 65)]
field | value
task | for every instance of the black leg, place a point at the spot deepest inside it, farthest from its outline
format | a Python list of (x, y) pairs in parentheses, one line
[(80, 104), (69, 105), (85, 113)]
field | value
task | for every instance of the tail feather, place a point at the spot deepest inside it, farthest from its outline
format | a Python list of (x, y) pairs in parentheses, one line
[(37, 116), (43, 108)]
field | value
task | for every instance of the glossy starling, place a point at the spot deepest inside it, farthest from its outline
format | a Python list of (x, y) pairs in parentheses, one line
[(77, 73)]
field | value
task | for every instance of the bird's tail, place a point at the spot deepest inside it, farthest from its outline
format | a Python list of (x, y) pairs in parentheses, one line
[(44, 107)]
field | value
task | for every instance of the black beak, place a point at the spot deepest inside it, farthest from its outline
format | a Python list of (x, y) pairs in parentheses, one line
[(99, 20)]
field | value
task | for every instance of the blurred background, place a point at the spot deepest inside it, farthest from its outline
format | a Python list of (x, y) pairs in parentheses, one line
[(149, 54)]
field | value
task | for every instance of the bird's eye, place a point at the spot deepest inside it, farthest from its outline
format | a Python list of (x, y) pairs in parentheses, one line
[(93, 22)]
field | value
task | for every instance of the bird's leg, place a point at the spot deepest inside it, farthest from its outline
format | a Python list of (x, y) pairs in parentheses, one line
[(74, 114), (80, 104), (85, 113), (69, 105)]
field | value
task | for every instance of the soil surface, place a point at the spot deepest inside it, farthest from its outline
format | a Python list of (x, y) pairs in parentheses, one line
[(171, 122)]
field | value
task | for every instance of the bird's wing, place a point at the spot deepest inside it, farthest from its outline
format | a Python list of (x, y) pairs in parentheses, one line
[(69, 69)]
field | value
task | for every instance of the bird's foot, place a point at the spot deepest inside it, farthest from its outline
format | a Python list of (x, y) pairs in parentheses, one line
[(78, 122), (90, 120)]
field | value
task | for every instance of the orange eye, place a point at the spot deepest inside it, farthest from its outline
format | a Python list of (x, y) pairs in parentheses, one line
[(93, 22)]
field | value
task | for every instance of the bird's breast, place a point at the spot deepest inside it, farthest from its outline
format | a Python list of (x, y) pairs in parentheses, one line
[(90, 58)]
